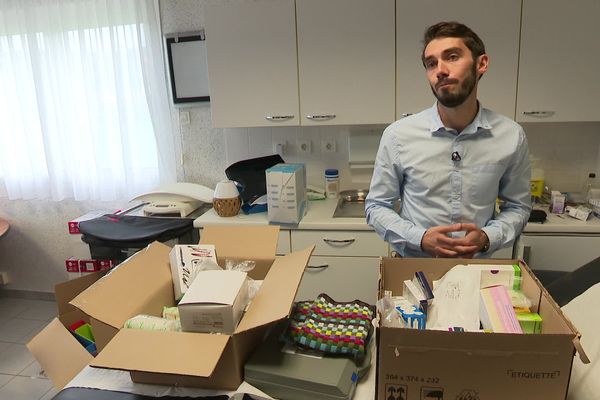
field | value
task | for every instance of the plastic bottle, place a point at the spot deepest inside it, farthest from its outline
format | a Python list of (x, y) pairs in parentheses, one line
[(590, 183), (332, 183), (537, 178)]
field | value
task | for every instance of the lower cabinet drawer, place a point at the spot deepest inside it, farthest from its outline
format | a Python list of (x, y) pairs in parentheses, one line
[(340, 243), (342, 278)]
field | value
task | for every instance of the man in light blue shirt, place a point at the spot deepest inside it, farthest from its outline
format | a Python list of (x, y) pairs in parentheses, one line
[(449, 163)]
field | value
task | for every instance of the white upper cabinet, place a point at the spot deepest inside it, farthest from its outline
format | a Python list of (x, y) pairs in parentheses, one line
[(308, 62), (560, 60), (498, 25), (346, 61), (252, 64)]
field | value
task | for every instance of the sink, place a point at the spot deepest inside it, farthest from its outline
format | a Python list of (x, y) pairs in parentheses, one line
[(351, 204), (346, 209)]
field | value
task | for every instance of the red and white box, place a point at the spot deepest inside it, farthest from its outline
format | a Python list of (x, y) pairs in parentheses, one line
[(89, 265), (72, 265), (105, 264)]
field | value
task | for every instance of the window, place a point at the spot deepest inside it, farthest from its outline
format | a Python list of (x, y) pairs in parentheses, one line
[(84, 109)]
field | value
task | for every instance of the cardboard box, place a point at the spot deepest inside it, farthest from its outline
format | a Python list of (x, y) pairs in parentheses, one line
[(215, 302), (470, 365), (286, 193), (58, 352), (186, 261), (143, 285)]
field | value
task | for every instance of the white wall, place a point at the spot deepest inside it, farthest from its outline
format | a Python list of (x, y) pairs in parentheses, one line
[(567, 152), (244, 143), (34, 250)]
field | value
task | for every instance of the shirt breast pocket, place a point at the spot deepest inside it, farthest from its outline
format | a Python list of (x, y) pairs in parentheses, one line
[(485, 182)]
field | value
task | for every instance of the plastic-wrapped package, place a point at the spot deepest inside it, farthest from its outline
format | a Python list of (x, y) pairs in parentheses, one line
[(152, 323)]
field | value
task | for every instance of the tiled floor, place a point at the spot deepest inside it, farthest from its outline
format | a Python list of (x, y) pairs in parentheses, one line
[(21, 377)]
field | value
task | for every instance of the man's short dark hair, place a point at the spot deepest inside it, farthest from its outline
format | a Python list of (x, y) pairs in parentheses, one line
[(454, 29)]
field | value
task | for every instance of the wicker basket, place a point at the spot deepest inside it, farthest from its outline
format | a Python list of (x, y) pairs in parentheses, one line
[(227, 207)]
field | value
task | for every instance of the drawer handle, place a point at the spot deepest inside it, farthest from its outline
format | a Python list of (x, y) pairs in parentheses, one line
[(276, 118), (339, 241), (322, 266), (321, 117), (538, 114)]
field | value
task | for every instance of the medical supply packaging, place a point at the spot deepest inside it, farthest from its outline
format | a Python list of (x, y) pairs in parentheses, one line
[(474, 365), (143, 285), (286, 193)]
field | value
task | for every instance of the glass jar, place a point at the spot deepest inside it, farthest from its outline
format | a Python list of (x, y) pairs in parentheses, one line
[(332, 183)]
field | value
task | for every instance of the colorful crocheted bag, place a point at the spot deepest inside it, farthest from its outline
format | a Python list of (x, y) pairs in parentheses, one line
[(331, 327)]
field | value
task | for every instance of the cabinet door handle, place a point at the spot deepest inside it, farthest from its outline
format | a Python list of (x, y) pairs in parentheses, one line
[(276, 118), (539, 114), (321, 117), (322, 266), (404, 115), (339, 241)]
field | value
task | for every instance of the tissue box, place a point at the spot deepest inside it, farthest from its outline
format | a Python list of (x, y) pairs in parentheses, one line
[(186, 261), (286, 193), (215, 302)]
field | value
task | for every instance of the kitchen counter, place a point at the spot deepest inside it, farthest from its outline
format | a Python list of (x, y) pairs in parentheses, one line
[(319, 216), (562, 223), (320, 212)]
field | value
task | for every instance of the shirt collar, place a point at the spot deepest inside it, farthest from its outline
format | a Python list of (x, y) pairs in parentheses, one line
[(479, 122)]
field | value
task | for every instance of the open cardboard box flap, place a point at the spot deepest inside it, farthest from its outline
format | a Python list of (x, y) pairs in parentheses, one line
[(64, 292), (57, 351), (141, 285), (52, 347), (135, 350), (256, 243), (277, 292)]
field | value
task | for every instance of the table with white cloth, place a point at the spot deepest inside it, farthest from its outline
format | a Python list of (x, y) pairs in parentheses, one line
[(120, 381)]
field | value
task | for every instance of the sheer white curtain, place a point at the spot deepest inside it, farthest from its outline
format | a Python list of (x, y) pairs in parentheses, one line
[(84, 109)]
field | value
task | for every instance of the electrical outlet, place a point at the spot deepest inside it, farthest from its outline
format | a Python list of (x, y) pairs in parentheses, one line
[(279, 148), (184, 117), (328, 145), (304, 146), (4, 278)]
